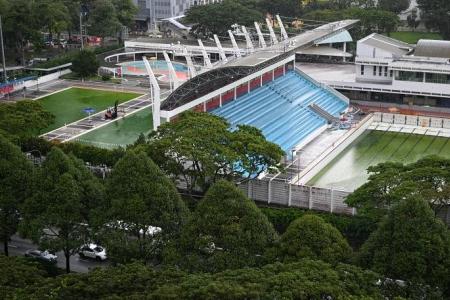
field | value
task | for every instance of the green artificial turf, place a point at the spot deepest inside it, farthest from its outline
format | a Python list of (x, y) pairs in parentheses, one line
[(411, 37), (67, 106), (348, 170), (122, 132)]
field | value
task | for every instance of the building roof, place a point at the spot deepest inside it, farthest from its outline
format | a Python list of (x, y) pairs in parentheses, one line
[(340, 37), (433, 48), (324, 51), (388, 44)]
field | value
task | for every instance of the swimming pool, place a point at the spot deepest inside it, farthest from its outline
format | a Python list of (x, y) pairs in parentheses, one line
[(159, 67)]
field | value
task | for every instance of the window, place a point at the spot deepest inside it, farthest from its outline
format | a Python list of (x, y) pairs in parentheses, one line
[(409, 76), (385, 71), (374, 71), (391, 73), (380, 70), (437, 78), (362, 69)]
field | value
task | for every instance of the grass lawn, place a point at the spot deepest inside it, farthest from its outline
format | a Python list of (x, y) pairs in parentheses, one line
[(122, 132), (68, 105), (411, 37)]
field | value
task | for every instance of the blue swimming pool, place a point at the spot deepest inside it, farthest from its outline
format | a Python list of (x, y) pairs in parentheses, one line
[(280, 109)]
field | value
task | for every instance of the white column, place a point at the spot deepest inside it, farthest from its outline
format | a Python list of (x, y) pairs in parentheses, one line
[(206, 59), (219, 47), (172, 73), (156, 93), (273, 37), (237, 51), (248, 40), (283, 30), (345, 50), (262, 42)]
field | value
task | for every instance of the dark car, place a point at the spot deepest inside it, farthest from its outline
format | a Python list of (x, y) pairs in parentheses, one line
[(43, 256)]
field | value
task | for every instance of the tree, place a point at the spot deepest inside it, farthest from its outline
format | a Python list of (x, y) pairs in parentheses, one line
[(435, 13), (311, 237), (85, 64), (23, 119), (412, 19), (389, 183), (395, 6), (53, 15), (103, 18), (140, 197), (287, 8), (58, 213), (126, 11), (15, 179), (227, 231), (200, 149), (217, 18), (410, 244)]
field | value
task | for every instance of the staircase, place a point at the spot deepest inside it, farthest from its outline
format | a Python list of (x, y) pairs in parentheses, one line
[(323, 113)]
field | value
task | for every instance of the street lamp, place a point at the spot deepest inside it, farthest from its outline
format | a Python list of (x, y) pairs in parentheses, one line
[(3, 51)]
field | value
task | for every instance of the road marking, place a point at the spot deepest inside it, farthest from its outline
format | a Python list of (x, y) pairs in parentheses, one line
[(13, 246)]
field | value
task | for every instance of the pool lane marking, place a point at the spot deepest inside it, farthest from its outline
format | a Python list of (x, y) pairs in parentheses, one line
[(382, 149), (374, 141), (443, 146), (414, 146), (409, 135)]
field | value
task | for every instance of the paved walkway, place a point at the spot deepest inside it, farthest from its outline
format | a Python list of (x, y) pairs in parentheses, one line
[(80, 127)]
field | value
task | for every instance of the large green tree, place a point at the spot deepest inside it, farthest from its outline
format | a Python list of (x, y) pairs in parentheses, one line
[(65, 194), (200, 149), (53, 16), (311, 237), (140, 197), (410, 244), (395, 6), (288, 8), (227, 231), (15, 179), (23, 119), (217, 18), (85, 64), (390, 182), (103, 19), (436, 14)]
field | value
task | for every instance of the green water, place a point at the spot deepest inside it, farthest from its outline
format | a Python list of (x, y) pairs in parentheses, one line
[(348, 170), (122, 132)]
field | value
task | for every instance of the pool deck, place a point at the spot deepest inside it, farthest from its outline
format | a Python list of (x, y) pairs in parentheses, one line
[(442, 132)]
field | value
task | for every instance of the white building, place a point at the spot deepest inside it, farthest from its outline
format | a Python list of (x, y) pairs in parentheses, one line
[(389, 70)]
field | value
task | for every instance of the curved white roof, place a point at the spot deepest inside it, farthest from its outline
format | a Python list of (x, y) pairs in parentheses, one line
[(433, 48)]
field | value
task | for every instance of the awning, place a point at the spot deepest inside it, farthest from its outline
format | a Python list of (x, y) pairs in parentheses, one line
[(324, 51)]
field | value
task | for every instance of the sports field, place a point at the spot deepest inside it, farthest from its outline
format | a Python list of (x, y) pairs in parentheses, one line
[(67, 106), (348, 170), (122, 132)]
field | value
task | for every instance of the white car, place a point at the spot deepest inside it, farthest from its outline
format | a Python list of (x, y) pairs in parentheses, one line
[(93, 251)]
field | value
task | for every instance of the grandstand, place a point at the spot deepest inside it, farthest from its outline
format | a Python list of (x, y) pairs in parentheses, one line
[(282, 109)]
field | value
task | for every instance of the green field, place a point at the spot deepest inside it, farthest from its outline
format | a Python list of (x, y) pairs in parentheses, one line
[(348, 170), (411, 37), (67, 106), (122, 132)]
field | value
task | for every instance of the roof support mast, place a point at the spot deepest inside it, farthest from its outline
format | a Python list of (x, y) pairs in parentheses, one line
[(155, 94), (283, 30), (174, 82), (221, 52), (248, 40), (206, 59), (237, 51), (262, 42), (190, 64), (273, 37)]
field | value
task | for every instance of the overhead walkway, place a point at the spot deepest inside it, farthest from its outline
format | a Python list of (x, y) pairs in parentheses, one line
[(281, 109)]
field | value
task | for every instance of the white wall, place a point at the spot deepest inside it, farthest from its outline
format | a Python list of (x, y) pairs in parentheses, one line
[(364, 50)]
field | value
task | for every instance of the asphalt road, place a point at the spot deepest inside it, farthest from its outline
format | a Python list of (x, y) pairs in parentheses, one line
[(18, 246)]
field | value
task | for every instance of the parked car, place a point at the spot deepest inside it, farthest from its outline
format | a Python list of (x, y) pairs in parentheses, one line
[(93, 251), (44, 256)]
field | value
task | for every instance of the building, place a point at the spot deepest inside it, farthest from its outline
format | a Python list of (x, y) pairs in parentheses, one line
[(389, 70), (150, 12)]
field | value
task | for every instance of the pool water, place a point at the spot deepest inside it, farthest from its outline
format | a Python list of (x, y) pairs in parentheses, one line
[(348, 170)]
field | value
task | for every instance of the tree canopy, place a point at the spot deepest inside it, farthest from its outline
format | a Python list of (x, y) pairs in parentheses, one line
[(65, 194), (139, 197), (85, 64), (311, 237), (15, 179), (227, 231), (200, 149), (218, 17), (435, 13), (410, 244), (391, 182)]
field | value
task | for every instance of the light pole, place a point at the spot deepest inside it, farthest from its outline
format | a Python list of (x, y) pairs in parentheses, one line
[(81, 30), (3, 51)]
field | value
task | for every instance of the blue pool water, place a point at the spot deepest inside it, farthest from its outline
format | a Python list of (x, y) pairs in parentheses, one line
[(280, 109)]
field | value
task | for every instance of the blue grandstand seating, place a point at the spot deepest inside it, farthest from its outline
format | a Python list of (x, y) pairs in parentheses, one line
[(280, 109)]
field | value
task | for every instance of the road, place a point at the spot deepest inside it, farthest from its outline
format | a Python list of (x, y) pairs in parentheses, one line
[(18, 246)]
